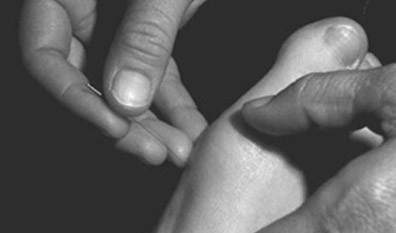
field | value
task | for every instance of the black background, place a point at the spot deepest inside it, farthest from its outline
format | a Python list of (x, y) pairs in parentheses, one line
[(62, 175)]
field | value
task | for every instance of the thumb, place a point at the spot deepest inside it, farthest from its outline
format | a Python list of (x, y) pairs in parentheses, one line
[(140, 53)]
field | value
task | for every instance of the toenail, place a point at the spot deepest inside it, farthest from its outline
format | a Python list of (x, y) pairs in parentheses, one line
[(346, 43)]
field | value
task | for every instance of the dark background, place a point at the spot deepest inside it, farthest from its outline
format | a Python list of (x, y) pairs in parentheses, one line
[(62, 175)]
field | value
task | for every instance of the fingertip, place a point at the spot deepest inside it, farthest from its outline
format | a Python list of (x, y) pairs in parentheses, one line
[(253, 107), (141, 144), (188, 120), (196, 129), (248, 114), (253, 112), (155, 141), (181, 151), (257, 103), (153, 153), (176, 142)]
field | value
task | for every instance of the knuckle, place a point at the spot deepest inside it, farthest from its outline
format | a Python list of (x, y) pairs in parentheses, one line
[(304, 89), (148, 41), (302, 86)]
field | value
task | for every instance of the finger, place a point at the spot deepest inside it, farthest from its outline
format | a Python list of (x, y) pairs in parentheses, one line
[(82, 15), (153, 141), (76, 55), (192, 8), (331, 44), (47, 42), (365, 135), (140, 53), (176, 104), (340, 100)]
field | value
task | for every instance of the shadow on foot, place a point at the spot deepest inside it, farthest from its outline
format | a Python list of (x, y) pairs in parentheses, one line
[(317, 155)]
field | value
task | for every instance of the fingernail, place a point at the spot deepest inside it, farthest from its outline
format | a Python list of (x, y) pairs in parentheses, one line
[(257, 103), (131, 89), (345, 41)]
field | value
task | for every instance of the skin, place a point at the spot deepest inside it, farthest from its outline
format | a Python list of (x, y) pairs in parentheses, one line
[(237, 182), (54, 37), (361, 197)]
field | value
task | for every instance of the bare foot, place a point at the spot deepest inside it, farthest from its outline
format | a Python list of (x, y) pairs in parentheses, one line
[(238, 182)]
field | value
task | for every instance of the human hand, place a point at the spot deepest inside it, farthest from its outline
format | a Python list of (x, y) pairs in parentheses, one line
[(54, 35), (362, 197)]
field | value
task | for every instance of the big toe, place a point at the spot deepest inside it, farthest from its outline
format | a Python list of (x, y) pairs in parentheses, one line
[(334, 43), (327, 45)]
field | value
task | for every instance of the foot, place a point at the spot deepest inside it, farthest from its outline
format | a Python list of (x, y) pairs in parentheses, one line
[(238, 182)]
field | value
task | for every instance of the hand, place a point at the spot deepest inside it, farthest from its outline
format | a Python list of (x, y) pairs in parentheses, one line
[(139, 69), (362, 197)]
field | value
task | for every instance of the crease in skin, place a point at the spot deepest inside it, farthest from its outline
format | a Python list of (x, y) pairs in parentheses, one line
[(264, 168), (263, 157), (242, 180), (257, 159), (156, 138)]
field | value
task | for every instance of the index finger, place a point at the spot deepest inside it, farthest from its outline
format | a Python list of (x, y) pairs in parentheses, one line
[(338, 100)]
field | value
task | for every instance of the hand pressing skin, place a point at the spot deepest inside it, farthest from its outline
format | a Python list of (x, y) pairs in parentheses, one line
[(362, 197), (139, 70), (237, 181)]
